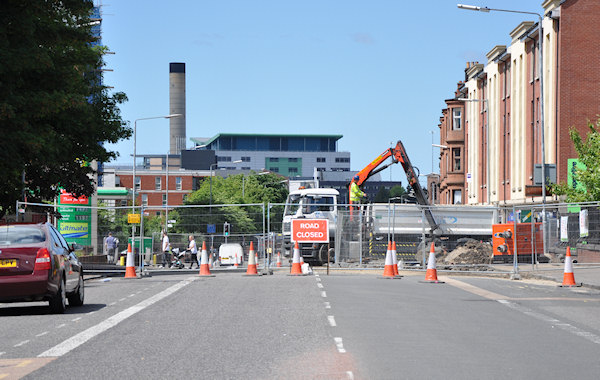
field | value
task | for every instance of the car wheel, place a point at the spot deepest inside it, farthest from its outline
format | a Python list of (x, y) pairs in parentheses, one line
[(58, 303), (76, 299)]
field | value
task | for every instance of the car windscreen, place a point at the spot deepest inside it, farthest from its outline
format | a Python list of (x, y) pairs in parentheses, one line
[(319, 203), (292, 204), (13, 235)]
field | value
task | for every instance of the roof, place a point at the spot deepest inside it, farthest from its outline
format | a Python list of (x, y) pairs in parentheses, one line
[(207, 141), (317, 191)]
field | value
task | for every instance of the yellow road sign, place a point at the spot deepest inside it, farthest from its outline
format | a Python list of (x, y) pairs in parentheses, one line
[(133, 218)]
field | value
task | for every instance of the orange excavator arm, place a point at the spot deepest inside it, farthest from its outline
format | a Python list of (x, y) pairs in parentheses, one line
[(397, 155)]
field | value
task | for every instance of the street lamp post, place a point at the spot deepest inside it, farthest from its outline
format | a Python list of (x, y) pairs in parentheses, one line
[(541, 69), (167, 195), (487, 141), (211, 175), (134, 159)]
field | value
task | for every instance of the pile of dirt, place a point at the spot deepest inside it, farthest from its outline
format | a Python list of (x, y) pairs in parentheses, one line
[(472, 252)]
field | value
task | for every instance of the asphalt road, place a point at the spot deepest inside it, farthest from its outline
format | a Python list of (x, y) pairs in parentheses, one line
[(341, 326)]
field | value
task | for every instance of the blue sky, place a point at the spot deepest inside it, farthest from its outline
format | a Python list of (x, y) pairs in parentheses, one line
[(375, 71)]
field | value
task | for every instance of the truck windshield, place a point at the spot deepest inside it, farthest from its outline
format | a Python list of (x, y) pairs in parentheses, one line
[(319, 204), (292, 205)]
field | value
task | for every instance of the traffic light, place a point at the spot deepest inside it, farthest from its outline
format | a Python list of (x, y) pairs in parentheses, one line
[(226, 227)]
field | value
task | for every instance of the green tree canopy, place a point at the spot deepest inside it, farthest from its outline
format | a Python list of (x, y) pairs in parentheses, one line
[(588, 175), (55, 114)]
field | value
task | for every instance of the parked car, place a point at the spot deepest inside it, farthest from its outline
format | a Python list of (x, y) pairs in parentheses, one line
[(37, 264)]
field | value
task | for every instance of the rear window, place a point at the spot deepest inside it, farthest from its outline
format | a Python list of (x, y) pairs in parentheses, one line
[(13, 235)]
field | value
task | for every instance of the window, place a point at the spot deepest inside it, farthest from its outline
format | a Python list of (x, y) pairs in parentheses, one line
[(342, 159), (293, 170), (273, 159), (138, 183), (157, 183), (223, 159), (144, 199), (456, 159), (177, 183), (274, 170), (456, 119), (246, 159), (164, 199), (456, 197), (321, 169), (292, 159), (320, 159)]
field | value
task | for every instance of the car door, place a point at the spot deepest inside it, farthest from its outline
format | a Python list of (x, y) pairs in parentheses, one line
[(63, 254)]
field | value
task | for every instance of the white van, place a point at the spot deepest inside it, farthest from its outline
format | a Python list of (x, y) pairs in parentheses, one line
[(228, 252)]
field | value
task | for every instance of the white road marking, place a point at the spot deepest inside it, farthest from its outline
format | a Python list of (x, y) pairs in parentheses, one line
[(316, 275), (350, 375), (61, 326), (318, 279), (327, 305), (331, 320), (122, 299), (323, 294), (320, 285), (131, 295), (76, 319), (112, 304), (22, 343), (556, 322), (42, 334), (340, 345), (2, 353), (79, 339)]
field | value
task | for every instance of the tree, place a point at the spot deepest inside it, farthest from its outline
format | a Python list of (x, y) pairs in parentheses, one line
[(233, 190), (397, 191), (588, 174), (382, 196), (55, 114)]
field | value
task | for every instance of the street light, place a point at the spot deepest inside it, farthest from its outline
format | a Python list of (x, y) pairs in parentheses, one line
[(541, 69), (243, 178), (211, 175), (487, 140), (134, 159)]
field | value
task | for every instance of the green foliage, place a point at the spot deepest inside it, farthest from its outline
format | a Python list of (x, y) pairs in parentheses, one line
[(397, 191), (233, 190), (589, 175), (382, 196), (54, 112)]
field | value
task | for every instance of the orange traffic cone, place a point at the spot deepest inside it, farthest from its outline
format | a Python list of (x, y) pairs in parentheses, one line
[(388, 270), (204, 267), (568, 275), (251, 271), (278, 259), (235, 264), (211, 263), (296, 265), (431, 274), (130, 264), (395, 259)]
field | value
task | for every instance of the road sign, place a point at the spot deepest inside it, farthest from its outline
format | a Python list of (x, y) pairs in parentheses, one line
[(211, 228), (310, 230), (133, 218)]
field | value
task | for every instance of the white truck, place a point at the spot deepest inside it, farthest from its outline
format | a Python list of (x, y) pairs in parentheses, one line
[(311, 204)]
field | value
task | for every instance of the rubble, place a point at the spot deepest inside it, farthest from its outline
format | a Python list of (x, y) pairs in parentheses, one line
[(472, 252)]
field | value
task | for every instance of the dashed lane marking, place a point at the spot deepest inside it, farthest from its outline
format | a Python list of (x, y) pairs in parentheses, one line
[(331, 320), (340, 345), (42, 334), (61, 326), (75, 319), (327, 305), (320, 285), (122, 299), (79, 339), (21, 343), (323, 294)]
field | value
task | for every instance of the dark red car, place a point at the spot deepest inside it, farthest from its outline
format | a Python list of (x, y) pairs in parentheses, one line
[(37, 264)]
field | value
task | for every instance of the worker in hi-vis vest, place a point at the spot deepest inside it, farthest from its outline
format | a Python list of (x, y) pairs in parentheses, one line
[(356, 194)]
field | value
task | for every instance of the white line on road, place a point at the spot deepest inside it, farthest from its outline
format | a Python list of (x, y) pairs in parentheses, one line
[(318, 279), (22, 343), (340, 345), (76, 319), (77, 340), (561, 325), (350, 375), (42, 334), (320, 285), (122, 299), (327, 305), (2, 353), (323, 294), (331, 320), (61, 326), (131, 295), (112, 304)]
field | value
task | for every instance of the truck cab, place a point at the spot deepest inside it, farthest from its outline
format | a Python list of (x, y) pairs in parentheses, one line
[(311, 204)]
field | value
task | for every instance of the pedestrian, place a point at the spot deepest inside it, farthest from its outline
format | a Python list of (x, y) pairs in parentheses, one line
[(194, 251), (110, 246), (166, 249)]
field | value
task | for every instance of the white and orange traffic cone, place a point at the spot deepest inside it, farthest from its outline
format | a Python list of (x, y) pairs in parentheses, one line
[(388, 270), (130, 264), (395, 259), (568, 275), (278, 259), (251, 271), (204, 267), (296, 269), (235, 264), (211, 263), (431, 274)]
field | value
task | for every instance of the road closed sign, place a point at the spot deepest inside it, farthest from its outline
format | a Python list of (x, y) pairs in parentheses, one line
[(310, 230)]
